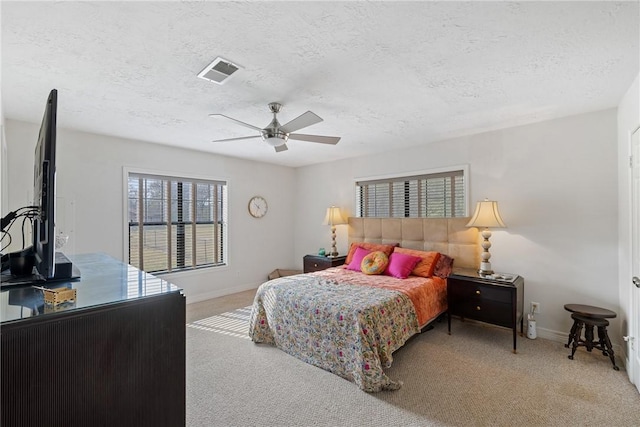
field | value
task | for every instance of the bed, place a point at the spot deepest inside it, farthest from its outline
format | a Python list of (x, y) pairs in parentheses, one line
[(350, 323)]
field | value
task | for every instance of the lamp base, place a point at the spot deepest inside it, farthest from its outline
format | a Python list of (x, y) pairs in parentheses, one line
[(334, 249), (485, 269)]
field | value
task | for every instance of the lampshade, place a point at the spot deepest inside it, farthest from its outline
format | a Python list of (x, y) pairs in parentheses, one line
[(334, 217), (486, 215)]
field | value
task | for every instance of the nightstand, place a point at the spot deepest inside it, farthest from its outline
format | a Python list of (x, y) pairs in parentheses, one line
[(316, 262), (490, 299)]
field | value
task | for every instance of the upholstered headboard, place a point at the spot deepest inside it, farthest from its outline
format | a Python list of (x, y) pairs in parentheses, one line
[(446, 235)]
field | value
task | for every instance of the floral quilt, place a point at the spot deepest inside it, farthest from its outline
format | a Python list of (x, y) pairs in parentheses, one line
[(348, 329)]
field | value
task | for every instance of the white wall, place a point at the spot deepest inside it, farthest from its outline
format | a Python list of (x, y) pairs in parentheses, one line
[(90, 201), (556, 185), (628, 121), (4, 182), (4, 170), (4, 173)]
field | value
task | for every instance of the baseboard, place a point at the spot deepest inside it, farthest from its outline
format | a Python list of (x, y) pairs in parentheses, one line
[(552, 335), (216, 293)]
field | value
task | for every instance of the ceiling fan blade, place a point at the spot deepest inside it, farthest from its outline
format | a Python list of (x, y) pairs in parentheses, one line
[(302, 121), (237, 121), (236, 139), (280, 148), (315, 138)]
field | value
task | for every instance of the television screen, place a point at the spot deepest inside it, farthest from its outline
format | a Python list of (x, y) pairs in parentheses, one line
[(44, 187)]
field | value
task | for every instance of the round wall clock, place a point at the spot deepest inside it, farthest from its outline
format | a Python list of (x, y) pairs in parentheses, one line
[(258, 207)]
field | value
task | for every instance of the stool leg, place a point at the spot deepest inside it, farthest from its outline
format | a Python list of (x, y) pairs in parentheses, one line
[(576, 338), (602, 333), (588, 337), (571, 333)]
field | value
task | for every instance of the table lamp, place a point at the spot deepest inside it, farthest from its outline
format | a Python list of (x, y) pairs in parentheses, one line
[(334, 217), (486, 216)]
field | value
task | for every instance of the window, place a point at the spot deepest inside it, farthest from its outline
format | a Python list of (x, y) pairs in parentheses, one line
[(430, 195), (176, 223)]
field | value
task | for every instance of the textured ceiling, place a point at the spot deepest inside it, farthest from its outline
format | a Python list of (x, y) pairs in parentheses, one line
[(382, 75)]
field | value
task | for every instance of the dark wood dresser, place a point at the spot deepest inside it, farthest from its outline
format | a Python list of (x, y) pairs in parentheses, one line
[(491, 300), (317, 262), (115, 356)]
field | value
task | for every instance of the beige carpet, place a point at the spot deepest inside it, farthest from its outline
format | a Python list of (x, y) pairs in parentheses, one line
[(469, 378)]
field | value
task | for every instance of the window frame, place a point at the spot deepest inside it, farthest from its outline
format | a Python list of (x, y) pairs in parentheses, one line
[(435, 171), (172, 175)]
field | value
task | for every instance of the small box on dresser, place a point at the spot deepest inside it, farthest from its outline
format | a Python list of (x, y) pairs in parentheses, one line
[(497, 299), (317, 262)]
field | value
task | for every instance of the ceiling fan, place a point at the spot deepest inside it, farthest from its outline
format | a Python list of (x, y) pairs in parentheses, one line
[(277, 135)]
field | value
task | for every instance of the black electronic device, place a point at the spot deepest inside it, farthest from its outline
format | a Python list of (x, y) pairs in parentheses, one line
[(49, 265), (44, 190), (21, 262), (5, 262)]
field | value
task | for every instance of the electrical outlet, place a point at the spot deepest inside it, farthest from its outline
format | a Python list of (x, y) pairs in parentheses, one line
[(535, 307)]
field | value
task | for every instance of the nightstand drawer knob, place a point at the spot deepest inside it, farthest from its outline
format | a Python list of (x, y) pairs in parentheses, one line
[(477, 292), (478, 308), (315, 265)]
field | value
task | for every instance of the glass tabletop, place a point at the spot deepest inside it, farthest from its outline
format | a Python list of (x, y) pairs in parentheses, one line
[(104, 280)]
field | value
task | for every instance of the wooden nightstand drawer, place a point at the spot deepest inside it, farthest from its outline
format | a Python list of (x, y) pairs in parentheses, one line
[(316, 262), (485, 311), (465, 290)]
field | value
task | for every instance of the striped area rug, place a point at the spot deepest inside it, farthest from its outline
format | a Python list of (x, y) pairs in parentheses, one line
[(234, 323)]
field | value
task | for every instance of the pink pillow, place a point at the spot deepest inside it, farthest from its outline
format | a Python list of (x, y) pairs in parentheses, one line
[(427, 262), (356, 259), (401, 265)]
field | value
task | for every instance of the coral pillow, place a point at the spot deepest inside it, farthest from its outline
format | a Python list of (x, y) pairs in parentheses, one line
[(356, 259), (387, 249), (374, 263), (401, 265), (426, 265)]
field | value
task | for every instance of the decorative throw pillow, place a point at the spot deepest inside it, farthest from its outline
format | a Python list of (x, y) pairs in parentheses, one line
[(374, 263), (387, 249), (443, 266), (427, 263), (401, 265), (356, 259)]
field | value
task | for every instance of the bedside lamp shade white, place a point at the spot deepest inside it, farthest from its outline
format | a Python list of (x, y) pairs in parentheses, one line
[(334, 217), (486, 216)]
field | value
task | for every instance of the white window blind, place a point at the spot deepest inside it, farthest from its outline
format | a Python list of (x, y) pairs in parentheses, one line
[(436, 195), (176, 223)]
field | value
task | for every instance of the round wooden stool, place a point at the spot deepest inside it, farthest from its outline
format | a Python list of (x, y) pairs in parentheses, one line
[(588, 317)]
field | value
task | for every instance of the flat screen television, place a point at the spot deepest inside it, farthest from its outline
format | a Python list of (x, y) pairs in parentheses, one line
[(40, 262), (44, 191)]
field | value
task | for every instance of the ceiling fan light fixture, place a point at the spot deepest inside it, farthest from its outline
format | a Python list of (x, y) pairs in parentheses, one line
[(275, 141), (273, 136)]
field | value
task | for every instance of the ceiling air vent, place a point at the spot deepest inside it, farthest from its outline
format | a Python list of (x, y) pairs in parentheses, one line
[(219, 71)]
